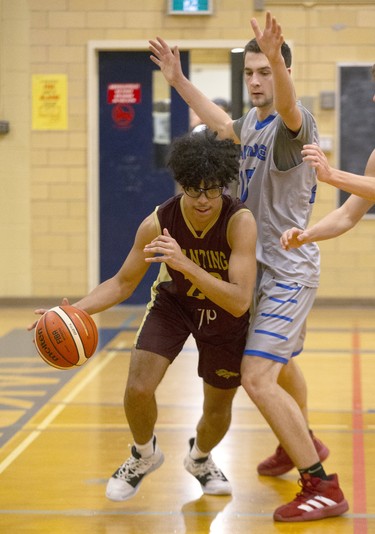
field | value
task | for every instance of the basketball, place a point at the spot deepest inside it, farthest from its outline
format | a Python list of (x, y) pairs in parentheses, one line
[(66, 337)]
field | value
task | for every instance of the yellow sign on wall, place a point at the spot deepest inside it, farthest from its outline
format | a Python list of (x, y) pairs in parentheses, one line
[(49, 102)]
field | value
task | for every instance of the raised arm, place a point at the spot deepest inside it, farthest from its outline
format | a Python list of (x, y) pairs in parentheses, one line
[(270, 41), (168, 60), (233, 296), (362, 186)]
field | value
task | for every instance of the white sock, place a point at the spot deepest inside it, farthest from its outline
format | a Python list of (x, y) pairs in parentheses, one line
[(196, 453), (147, 449)]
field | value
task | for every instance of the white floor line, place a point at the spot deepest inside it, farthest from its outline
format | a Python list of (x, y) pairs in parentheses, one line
[(55, 412)]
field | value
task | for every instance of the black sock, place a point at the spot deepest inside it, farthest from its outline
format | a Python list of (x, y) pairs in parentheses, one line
[(315, 470)]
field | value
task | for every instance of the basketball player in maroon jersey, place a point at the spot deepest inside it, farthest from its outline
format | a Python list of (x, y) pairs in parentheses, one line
[(205, 242)]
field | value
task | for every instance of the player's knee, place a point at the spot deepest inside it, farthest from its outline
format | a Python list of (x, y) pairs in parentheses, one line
[(137, 392), (254, 386), (218, 414)]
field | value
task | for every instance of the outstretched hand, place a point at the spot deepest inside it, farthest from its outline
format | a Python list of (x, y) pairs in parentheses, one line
[(167, 59), (293, 238), (42, 311), (167, 250), (271, 38), (315, 157)]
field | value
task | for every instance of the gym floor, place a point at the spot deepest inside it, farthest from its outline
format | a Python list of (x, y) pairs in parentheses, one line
[(63, 433)]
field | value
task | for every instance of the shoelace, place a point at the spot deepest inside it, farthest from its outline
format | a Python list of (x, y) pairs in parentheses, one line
[(307, 489), (132, 467), (209, 469)]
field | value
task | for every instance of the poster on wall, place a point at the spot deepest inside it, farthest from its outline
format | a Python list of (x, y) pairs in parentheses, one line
[(49, 102)]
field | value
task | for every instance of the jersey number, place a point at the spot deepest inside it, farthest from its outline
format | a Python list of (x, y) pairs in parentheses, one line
[(196, 293), (245, 183)]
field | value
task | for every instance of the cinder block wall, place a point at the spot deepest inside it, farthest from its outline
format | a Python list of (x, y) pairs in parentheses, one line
[(44, 174)]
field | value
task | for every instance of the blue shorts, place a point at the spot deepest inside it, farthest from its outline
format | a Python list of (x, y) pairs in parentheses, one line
[(278, 324)]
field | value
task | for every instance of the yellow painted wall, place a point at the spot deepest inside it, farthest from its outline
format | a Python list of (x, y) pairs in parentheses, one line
[(44, 174)]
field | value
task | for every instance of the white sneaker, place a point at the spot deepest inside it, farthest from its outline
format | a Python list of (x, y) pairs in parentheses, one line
[(210, 477), (125, 482)]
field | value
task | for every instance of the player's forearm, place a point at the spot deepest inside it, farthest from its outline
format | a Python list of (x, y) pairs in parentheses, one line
[(332, 225), (231, 297), (104, 296), (209, 113), (362, 186), (284, 92)]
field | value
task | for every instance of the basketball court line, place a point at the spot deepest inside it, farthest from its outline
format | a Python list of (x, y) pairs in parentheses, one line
[(34, 375), (359, 479), (171, 513), (55, 412), (235, 427), (359, 469)]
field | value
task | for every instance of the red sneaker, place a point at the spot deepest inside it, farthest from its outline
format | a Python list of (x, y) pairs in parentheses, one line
[(280, 463), (317, 500)]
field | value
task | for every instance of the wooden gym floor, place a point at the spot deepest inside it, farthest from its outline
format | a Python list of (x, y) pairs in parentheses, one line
[(63, 433)]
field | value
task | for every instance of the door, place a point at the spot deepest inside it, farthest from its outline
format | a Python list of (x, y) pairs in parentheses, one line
[(135, 128)]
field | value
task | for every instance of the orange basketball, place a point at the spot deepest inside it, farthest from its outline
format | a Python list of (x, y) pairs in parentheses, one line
[(66, 337)]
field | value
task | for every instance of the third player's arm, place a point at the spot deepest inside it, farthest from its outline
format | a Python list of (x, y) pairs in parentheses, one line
[(336, 223)]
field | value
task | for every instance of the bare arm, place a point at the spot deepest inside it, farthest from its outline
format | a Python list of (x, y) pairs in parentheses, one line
[(362, 186), (168, 60), (233, 296), (121, 286), (336, 223), (270, 41)]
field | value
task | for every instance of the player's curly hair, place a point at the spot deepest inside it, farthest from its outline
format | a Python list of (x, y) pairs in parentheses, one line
[(202, 157)]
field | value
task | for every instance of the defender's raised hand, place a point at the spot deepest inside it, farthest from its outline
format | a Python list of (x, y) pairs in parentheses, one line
[(271, 38), (167, 59)]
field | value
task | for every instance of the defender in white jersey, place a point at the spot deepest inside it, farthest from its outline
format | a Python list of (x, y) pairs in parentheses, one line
[(280, 190)]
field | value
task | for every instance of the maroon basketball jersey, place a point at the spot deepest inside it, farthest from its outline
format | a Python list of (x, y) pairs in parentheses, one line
[(208, 249)]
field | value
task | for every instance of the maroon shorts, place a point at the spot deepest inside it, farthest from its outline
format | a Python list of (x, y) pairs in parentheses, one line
[(219, 336)]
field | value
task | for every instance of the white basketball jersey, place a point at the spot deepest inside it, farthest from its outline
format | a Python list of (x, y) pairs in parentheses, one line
[(280, 191)]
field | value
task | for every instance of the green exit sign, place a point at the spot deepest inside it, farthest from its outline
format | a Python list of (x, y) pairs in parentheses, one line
[(190, 7)]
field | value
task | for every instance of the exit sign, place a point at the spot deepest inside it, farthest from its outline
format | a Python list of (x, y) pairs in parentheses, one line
[(190, 7)]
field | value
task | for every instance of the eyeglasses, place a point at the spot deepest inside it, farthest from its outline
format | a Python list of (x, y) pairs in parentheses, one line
[(210, 192)]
